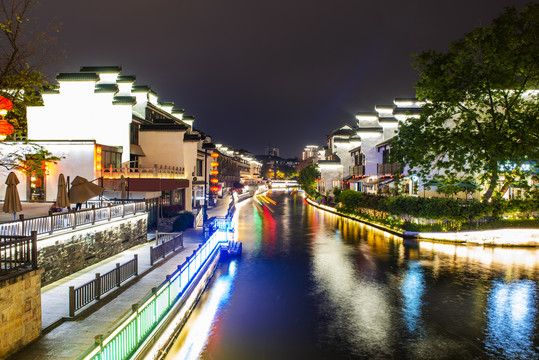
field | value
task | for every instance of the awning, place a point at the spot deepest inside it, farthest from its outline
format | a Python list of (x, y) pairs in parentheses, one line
[(136, 150), (379, 181)]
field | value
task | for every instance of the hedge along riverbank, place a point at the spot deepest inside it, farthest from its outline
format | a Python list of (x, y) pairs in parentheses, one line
[(438, 214)]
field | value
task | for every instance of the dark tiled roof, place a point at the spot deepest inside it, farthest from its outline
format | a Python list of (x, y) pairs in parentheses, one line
[(344, 132), (371, 129), (106, 88), (141, 88), (355, 138), (124, 100), (386, 142), (339, 140), (384, 107), (164, 127), (77, 77), (188, 117), (367, 113), (178, 111), (126, 78), (191, 137), (165, 103), (388, 120), (101, 69), (407, 111)]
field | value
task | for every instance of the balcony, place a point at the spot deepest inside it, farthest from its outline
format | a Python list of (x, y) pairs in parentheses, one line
[(357, 170), (388, 169), (156, 172)]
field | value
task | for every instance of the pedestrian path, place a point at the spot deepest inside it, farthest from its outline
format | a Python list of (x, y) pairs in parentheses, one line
[(68, 339)]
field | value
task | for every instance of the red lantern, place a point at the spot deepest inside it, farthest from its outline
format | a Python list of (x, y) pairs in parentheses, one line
[(5, 129), (214, 155), (214, 172), (214, 164), (5, 104), (214, 181), (214, 188)]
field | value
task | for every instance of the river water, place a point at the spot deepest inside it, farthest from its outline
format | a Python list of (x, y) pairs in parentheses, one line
[(312, 285)]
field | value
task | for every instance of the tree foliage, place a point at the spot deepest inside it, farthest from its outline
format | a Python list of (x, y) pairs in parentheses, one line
[(25, 52), (480, 112), (307, 179), (28, 159)]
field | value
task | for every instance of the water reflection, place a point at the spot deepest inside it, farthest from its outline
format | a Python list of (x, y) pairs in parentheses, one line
[(511, 312), (197, 334), (412, 288), (314, 285)]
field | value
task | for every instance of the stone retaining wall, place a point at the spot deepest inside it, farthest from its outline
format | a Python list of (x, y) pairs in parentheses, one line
[(77, 250), (20, 311)]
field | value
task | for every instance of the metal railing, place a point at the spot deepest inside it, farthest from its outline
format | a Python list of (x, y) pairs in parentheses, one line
[(93, 290), (17, 252), (125, 338), (166, 243), (158, 171), (54, 222)]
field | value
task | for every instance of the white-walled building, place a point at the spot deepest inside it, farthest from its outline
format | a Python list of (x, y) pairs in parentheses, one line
[(102, 125)]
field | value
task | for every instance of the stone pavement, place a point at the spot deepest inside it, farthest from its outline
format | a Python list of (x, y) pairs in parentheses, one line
[(72, 337)]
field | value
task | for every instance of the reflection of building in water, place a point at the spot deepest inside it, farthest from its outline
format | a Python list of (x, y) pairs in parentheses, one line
[(523, 261), (511, 312)]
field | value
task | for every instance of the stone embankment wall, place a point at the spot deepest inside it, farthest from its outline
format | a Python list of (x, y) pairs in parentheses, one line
[(20, 311), (77, 250)]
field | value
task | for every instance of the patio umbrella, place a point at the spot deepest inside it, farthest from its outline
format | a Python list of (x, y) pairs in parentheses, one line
[(466, 186), (12, 202), (62, 199), (431, 183), (82, 190), (123, 186)]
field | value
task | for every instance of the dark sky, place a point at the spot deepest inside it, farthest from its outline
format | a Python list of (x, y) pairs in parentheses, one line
[(256, 73)]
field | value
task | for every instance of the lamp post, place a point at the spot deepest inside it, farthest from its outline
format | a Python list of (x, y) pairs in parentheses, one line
[(206, 147)]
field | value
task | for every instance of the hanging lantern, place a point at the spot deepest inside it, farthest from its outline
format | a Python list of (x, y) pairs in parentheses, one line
[(5, 105), (214, 181), (214, 164), (214, 188), (5, 129), (214, 155), (214, 172)]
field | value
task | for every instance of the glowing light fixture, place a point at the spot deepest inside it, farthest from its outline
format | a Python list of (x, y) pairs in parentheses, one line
[(214, 181), (5, 127), (214, 155), (214, 172), (214, 164), (214, 188)]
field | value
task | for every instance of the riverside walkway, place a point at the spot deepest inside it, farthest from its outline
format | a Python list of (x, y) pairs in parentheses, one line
[(65, 338)]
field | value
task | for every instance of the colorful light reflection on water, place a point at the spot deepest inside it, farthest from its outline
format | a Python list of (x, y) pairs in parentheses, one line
[(314, 285)]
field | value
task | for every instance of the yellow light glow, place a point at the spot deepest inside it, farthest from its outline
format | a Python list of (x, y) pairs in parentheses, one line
[(98, 167), (98, 158), (98, 149)]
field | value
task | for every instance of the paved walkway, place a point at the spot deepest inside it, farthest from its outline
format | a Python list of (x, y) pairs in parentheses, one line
[(71, 338)]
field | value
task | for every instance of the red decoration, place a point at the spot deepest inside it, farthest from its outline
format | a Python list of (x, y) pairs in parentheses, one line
[(214, 172), (214, 155), (5, 129), (5, 104), (214, 188), (214, 164), (214, 181)]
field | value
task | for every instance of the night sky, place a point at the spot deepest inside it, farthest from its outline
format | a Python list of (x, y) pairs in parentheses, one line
[(255, 73)]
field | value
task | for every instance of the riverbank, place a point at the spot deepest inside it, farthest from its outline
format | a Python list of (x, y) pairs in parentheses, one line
[(498, 237)]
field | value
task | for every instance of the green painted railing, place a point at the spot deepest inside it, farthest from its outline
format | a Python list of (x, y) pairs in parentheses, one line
[(127, 336)]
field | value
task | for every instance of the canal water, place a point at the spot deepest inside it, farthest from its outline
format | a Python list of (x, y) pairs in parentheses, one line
[(312, 285)]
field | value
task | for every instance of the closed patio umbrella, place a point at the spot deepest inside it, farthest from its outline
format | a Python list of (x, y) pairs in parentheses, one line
[(12, 202), (62, 199), (82, 190), (123, 186)]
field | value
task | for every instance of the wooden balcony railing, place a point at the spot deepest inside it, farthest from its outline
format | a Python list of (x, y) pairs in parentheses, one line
[(17, 252), (388, 169), (357, 170)]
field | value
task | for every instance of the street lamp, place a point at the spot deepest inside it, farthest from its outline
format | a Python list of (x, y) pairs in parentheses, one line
[(206, 147)]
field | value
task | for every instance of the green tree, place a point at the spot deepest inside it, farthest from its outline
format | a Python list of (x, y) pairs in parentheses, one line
[(307, 179), (25, 52), (480, 111)]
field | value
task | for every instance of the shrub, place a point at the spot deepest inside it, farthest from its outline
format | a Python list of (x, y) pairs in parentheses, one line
[(184, 221), (169, 211)]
